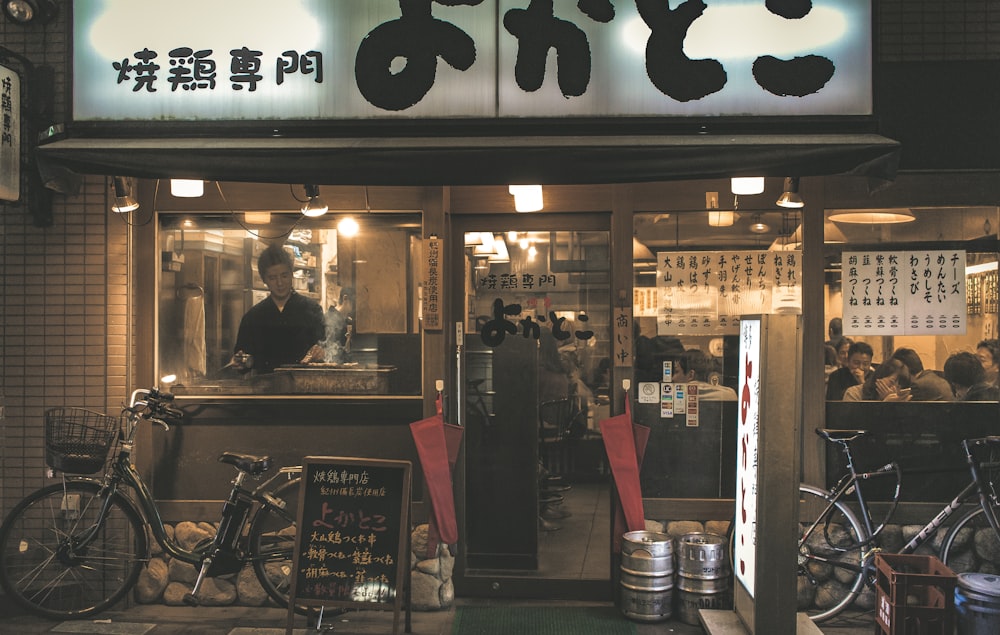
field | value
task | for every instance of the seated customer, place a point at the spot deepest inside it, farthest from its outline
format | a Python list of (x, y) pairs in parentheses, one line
[(925, 385), (858, 369), (889, 382), (693, 367), (988, 352), (968, 378)]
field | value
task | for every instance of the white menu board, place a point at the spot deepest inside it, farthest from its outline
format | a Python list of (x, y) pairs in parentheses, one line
[(904, 292), (706, 292)]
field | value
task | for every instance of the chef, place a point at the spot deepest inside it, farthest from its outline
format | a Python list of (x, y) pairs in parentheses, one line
[(283, 328)]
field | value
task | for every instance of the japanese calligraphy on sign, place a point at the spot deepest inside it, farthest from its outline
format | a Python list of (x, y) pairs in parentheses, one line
[(317, 59), (904, 292), (706, 292), (352, 532), (10, 135), (748, 437), (431, 288)]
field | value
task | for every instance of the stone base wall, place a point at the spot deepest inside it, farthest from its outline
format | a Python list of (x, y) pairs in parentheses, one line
[(165, 580)]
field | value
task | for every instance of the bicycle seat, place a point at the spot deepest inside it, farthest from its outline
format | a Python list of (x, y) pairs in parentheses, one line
[(840, 436), (254, 465)]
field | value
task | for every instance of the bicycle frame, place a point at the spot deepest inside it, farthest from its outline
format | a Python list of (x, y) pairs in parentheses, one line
[(123, 473)]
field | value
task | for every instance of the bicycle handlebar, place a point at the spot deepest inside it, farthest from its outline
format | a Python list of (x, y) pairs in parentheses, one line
[(152, 404)]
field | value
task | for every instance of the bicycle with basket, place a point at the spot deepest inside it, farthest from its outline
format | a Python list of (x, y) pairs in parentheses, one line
[(75, 548)]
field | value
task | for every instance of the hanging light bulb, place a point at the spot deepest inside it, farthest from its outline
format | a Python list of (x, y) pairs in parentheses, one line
[(315, 206), (124, 202), (348, 227), (747, 184), (527, 198)]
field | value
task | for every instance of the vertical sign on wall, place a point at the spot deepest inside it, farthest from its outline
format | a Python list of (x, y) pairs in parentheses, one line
[(10, 135), (747, 433), (622, 334), (431, 299)]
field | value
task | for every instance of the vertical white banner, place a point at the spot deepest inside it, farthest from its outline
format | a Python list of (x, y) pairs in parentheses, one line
[(747, 433), (10, 135)]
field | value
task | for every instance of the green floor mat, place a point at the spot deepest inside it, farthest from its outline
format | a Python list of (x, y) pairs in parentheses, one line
[(499, 620)]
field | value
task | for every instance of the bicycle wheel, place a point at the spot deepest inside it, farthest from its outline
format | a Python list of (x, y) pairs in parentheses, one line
[(272, 543), (971, 545), (46, 569), (830, 572)]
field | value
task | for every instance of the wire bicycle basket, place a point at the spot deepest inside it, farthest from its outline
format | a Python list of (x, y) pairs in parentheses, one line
[(78, 440)]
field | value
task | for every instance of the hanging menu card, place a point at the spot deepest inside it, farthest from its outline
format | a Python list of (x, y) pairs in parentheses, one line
[(904, 292), (706, 292), (351, 549)]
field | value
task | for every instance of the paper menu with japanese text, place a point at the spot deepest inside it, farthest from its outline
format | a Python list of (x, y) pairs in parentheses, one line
[(706, 292), (904, 292)]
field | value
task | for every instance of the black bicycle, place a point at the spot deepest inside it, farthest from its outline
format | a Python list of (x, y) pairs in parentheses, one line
[(75, 548), (840, 544)]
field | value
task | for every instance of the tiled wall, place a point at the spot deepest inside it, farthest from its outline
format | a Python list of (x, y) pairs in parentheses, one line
[(63, 332), (63, 298)]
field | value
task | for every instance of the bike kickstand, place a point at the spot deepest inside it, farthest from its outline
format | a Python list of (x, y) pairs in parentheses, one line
[(191, 599)]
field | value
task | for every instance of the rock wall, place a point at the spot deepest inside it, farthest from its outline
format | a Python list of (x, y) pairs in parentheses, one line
[(166, 581)]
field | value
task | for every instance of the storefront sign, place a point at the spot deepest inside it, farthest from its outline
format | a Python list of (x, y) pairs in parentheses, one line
[(431, 290), (246, 60), (10, 135), (622, 333), (706, 292), (747, 434), (904, 292)]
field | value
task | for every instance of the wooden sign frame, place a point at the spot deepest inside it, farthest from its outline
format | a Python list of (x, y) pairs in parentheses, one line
[(347, 482)]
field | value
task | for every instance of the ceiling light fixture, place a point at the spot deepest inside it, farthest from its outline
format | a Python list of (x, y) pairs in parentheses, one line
[(27, 11), (527, 198), (747, 184), (872, 216), (717, 217), (315, 206), (790, 197), (347, 227), (257, 218), (124, 202), (758, 226), (187, 188)]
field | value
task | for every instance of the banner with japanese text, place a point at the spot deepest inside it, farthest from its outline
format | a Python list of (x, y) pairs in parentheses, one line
[(706, 292), (904, 292), (10, 135)]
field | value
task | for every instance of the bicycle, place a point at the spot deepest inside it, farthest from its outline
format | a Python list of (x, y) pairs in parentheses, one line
[(75, 548), (840, 543)]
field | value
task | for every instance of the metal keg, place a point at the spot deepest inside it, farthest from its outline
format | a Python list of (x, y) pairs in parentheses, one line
[(647, 576), (703, 575)]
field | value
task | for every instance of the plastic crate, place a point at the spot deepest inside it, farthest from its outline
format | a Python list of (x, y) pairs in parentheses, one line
[(915, 595)]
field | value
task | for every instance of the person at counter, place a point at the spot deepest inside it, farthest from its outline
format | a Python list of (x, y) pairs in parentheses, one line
[(283, 328), (858, 369), (694, 367), (988, 352), (968, 378), (925, 384), (889, 382)]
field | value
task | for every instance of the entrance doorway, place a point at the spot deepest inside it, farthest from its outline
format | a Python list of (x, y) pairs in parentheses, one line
[(533, 371)]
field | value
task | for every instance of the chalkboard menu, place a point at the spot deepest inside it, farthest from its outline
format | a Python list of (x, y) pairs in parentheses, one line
[(352, 545)]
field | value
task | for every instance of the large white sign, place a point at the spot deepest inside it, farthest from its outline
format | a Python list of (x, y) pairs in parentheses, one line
[(10, 135), (192, 60), (904, 292), (706, 292), (747, 433)]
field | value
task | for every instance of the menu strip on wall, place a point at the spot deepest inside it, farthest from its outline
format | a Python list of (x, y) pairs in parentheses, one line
[(351, 549), (904, 292)]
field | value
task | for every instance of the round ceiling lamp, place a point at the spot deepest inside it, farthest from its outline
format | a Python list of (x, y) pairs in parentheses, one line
[(872, 216)]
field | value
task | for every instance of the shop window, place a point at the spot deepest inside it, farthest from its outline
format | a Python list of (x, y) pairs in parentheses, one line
[(364, 289)]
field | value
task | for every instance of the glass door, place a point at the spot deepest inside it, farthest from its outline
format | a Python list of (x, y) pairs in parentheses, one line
[(534, 373)]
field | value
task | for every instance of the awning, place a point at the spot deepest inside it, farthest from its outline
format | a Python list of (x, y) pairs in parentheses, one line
[(488, 160)]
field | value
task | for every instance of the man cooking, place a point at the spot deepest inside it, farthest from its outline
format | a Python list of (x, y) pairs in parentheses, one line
[(283, 328)]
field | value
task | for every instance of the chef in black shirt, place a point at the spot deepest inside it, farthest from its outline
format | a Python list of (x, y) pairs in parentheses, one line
[(283, 328)]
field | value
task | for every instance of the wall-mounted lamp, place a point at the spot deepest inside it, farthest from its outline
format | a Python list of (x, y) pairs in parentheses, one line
[(871, 216), (747, 185), (527, 198), (790, 197), (315, 206), (187, 188), (27, 11), (124, 202)]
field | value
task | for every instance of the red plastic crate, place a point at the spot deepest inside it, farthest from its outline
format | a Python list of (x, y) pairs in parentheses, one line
[(915, 595)]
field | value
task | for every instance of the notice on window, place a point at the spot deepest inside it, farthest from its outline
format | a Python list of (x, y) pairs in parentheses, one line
[(904, 292), (706, 292)]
